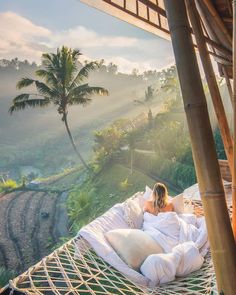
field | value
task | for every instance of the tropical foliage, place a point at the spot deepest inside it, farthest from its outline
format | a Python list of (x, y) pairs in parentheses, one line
[(63, 84)]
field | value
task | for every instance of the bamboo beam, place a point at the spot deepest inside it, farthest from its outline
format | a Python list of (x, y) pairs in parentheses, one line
[(234, 120), (220, 48), (217, 19), (211, 81), (213, 30), (230, 9), (229, 86), (205, 159)]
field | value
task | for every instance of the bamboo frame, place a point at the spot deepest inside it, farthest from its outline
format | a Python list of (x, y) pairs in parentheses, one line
[(217, 19), (204, 154), (229, 86), (211, 81), (234, 121)]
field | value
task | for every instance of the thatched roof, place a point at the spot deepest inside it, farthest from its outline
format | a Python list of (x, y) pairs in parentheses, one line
[(150, 15)]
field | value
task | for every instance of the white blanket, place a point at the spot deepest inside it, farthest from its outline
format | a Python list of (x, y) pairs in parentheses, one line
[(184, 240), (170, 229), (163, 268)]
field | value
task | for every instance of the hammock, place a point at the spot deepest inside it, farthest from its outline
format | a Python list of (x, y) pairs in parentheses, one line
[(62, 273)]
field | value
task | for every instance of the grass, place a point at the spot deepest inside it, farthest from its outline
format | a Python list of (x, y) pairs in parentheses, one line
[(112, 186), (5, 276)]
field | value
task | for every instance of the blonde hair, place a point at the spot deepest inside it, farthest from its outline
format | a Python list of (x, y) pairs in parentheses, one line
[(160, 194)]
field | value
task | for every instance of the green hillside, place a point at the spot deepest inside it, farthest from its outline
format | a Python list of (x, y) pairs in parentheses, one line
[(114, 185)]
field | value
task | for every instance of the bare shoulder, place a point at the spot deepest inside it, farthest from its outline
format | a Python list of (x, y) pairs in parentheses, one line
[(147, 206), (170, 206)]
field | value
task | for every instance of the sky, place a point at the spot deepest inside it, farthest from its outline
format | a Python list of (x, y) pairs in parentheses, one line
[(30, 27)]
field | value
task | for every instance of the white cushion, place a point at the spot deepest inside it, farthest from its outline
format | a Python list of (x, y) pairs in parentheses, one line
[(178, 203), (133, 213), (132, 245), (147, 193)]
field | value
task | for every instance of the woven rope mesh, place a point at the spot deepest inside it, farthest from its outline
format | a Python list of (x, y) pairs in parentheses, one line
[(81, 271)]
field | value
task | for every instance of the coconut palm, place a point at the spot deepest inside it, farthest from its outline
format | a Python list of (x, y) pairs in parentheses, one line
[(63, 84), (147, 101)]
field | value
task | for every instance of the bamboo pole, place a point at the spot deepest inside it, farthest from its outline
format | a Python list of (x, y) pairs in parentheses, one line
[(205, 159), (217, 19), (211, 26), (211, 81), (229, 86), (220, 48), (234, 120)]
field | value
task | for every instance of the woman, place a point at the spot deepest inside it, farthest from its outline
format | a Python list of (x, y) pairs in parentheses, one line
[(159, 200)]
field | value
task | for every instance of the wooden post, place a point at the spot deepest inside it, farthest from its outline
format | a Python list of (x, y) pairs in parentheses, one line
[(205, 159), (211, 81), (234, 121)]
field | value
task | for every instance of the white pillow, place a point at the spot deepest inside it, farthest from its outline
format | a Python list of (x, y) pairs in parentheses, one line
[(145, 196), (147, 193), (178, 203), (132, 245), (133, 213)]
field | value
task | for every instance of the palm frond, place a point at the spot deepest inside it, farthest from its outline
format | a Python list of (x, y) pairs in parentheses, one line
[(83, 73), (82, 93), (49, 77), (23, 96), (29, 103), (24, 82), (82, 100), (75, 54), (45, 90)]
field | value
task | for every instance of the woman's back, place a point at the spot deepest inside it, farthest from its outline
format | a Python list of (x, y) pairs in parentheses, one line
[(150, 207)]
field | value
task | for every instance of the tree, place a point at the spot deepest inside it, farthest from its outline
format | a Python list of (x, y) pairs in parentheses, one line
[(170, 84), (63, 84), (147, 101)]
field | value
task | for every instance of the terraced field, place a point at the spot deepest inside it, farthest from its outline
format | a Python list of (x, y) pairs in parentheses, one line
[(26, 234)]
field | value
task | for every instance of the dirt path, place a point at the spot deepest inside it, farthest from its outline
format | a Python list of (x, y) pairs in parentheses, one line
[(61, 217)]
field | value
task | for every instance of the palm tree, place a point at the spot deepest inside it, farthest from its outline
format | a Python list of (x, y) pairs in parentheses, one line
[(63, 84), (148, 99)]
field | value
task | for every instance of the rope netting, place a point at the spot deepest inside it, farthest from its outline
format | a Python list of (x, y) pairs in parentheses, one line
[(75, 268)]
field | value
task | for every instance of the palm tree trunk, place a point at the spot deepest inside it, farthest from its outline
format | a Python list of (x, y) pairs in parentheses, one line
[(73, 143)]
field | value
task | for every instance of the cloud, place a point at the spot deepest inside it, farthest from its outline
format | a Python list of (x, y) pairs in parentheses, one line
[(19, 37), (26, 40)]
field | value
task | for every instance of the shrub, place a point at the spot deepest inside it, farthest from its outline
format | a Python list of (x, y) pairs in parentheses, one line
[(8, 185)]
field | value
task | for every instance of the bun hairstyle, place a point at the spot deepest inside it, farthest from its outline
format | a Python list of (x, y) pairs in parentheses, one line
[(160, 194)]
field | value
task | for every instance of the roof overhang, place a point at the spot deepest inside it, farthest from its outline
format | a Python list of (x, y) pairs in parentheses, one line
[(150, 15), (144, 14)]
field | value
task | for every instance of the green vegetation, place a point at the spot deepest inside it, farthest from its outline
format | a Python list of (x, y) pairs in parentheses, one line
[(8, 185), (64, 85), (34, 137), (114, 185), (5, 276)]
